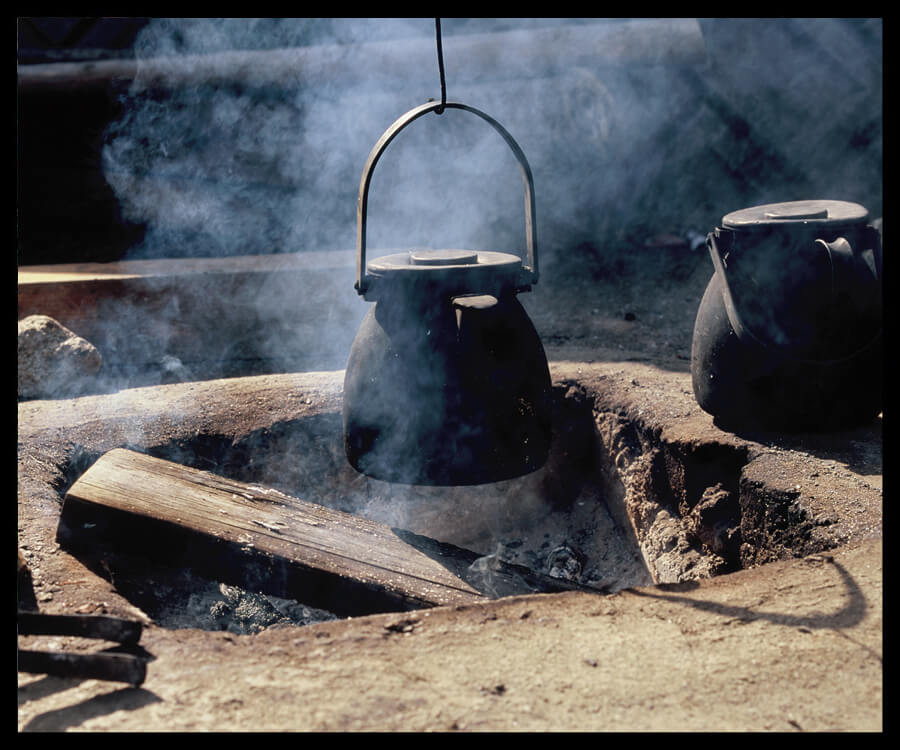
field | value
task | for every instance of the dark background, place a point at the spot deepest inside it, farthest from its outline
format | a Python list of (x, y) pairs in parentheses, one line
[(780, 109)]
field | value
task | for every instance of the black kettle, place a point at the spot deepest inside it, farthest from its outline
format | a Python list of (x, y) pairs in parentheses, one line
[(447, 382), (788, 334)]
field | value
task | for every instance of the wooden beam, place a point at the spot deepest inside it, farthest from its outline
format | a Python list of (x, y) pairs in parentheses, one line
[(524, 52), (264, 540), (197, 309), (62, 273)]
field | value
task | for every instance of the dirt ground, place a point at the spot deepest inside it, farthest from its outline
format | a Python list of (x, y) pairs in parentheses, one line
[(794, 644)]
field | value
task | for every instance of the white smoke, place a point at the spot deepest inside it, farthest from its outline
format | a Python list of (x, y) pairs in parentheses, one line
[(247, 136)]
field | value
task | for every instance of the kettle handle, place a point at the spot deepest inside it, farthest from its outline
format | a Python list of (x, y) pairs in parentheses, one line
[(531, 264), (840, 248), (719, 265), (838, 252)]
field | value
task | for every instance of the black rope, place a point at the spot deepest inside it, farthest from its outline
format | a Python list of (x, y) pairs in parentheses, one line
[(440, 55)]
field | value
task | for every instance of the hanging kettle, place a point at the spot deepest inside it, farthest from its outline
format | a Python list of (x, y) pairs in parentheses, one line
[(788, 334), (447, 382)]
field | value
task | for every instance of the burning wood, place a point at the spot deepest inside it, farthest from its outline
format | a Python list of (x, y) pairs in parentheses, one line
[(262, 539)]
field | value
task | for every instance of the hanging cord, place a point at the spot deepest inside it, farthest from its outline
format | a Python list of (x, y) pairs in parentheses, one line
[(440, 56)]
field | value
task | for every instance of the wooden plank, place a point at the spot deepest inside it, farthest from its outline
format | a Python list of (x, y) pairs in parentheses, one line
[(263, 539), (555, 48), (201, 310), (176, 267)]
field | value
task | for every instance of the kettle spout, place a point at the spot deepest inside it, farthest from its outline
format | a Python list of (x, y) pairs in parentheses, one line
[(473, 302)]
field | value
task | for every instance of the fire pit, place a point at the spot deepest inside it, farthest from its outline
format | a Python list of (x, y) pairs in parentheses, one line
[(616, 506), (640, 488), (555, 523)]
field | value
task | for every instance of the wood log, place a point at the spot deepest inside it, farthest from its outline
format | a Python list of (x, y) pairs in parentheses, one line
[(104, 627), (265, 540), (103, 666)]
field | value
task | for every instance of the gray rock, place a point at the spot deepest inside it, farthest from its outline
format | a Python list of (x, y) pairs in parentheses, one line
[(53, 361)]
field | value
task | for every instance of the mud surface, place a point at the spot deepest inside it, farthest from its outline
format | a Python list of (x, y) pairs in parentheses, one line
[(762, 609)]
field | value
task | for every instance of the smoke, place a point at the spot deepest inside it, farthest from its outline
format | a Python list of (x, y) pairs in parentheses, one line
[(245, 136), (219, 163), (248, 136)]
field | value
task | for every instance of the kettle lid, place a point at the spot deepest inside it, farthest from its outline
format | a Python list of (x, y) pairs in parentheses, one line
[(809, 212), (452, 272)]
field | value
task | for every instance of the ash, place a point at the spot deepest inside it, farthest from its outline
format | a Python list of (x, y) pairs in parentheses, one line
[(582, 544), (215, 606), (240, 611)]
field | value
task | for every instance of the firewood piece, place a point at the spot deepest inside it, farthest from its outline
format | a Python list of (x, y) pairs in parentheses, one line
[(85, 626), (103, 666), (265, 540)]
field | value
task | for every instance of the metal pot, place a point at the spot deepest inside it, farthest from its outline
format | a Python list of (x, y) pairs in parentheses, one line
[(788, 334), (447, 382)]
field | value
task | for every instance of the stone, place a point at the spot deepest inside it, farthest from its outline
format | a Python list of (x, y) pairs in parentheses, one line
[(53, 361)]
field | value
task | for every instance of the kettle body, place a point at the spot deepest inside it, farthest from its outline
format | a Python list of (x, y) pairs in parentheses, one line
[(788, 334), (450, 391), (447, 382)]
